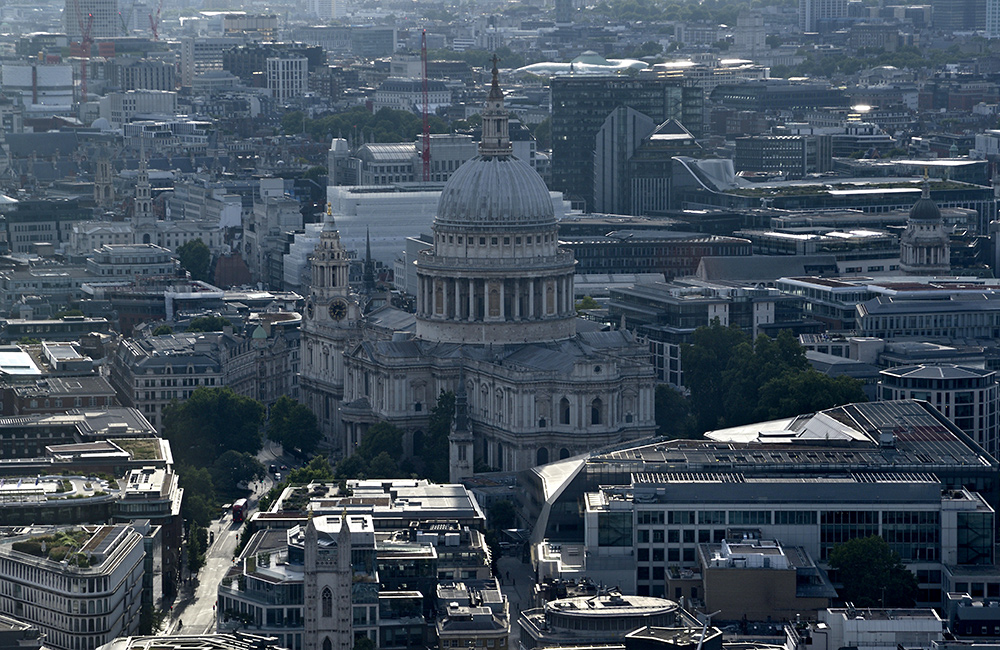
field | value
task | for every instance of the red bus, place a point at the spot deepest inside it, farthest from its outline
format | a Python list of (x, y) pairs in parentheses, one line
[(239, 510)]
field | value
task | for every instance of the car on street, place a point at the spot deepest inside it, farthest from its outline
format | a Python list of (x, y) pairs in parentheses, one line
[(273, 468)]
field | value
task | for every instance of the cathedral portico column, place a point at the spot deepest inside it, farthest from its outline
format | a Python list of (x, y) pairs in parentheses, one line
[(531, 298), (503, 300), (517, 298)]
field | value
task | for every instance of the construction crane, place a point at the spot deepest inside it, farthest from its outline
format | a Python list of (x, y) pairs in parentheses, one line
[(86, 42), (154, 22), (425, 155), (126, 20)]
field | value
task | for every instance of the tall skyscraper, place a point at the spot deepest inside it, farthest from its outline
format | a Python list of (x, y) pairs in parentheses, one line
[(813, 12), (100, 15), (992, 18), (581, 104)]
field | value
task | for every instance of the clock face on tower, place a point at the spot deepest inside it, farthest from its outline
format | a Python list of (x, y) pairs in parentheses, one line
[(338, 309)]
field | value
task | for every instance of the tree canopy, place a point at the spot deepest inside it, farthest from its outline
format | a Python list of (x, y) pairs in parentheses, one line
[(377, 455), (207, 324), (293, 425), (434, 454), (195, 258), (211, 422), (387, 125), (234, 467), (735, 380), (872, 574)]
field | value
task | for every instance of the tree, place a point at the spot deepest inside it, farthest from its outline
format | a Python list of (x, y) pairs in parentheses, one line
[(872, 574), (195, 258), (735, 381), (379, 445), (673, 413), (317, 471), (503, 514), (234, 467), (293, 425), (211, 422), (162, 330), (198, 506), (363, 643), (587, 303), (380, 437), (208, 324), (434, 456)]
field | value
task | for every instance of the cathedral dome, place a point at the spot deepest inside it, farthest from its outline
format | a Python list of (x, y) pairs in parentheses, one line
[(495, 192)]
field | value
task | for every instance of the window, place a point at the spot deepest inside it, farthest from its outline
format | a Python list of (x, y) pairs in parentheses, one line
[(597, 411), (564, 411), (327, 605)]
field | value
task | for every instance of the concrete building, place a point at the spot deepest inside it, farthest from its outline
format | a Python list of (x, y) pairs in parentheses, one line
[(121, 107), (757, 580), (966, 396), (44, 89), (149, 373), (267, 231), (85, 601), (130, 261), (407, 95), (201, 54), (880, 468), (602, 619), (872, 629), (820, 15), (143, 74), (582, 103), (794, 155), (287, 77), (100, 16)]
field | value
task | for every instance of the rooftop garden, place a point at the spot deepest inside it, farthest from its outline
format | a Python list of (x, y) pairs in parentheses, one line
[(141, 448), (64, 545)]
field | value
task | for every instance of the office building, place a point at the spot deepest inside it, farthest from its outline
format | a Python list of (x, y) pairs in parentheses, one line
[(793, 155), (287, 77), (966, 396), (876, 468), (582, 103), (821, 15), (80, 586), (100, 17)]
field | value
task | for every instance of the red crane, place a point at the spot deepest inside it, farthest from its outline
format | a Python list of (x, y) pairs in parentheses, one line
[(154, 22), (86, 42), (425, 155)]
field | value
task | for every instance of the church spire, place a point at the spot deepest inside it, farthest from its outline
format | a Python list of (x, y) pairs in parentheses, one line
[(495, 141), (369, 275)]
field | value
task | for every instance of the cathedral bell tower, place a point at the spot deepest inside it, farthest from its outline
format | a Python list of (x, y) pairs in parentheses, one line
[(331, 321)]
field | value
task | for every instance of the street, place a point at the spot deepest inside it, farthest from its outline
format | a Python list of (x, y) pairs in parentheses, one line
[(193, 611)]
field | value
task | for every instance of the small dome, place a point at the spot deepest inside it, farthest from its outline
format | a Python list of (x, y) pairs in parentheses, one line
[(495, 192), (259, 333), (101, 123), (925, 209)]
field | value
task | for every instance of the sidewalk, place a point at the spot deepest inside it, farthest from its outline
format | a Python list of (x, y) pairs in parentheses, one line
[(517, 582)]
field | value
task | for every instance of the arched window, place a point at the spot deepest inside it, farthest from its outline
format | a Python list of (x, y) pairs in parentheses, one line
[(563, 453), (542, 456), (499, 463), (597, 411), (327, 603), (564, 411), (327, 645)]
